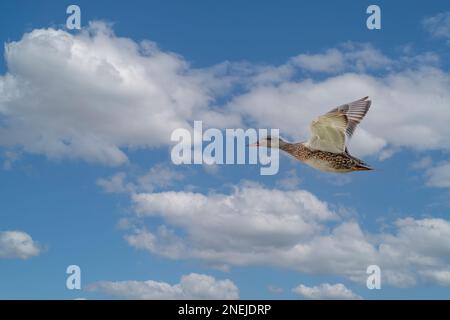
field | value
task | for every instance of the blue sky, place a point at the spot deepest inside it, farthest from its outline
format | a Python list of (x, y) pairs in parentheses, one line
[(85, 146)]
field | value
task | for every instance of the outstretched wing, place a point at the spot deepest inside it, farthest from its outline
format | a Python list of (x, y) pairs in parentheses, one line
[(330, 131)]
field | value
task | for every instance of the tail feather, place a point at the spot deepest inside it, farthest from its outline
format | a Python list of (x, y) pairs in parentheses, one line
[(362, 166)]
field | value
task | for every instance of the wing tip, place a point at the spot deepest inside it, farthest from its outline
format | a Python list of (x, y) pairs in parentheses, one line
[(367, 101)]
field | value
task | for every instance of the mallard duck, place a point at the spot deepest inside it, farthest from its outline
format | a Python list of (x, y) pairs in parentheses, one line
[(326, 148)]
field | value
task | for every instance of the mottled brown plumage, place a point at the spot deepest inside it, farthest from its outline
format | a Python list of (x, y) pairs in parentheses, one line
[(326, 149), (324, 160)]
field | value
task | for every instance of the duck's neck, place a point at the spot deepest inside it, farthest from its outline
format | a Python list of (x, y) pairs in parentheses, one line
[(283, 145), (298, 150)]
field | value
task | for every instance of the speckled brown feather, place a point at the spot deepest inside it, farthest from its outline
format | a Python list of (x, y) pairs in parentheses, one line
[(338, 162)]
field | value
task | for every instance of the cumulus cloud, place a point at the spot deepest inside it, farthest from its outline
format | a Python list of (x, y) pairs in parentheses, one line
[(439, 25), (253, 214), (18, 244), (409, 107), (157, 177), (192, 286), (326, 291), (93, 94), (254, 225)]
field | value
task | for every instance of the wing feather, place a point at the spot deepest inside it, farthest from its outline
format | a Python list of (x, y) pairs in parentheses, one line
[(330, 131)]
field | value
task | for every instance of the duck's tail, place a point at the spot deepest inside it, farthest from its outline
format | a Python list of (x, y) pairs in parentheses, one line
[(361, 167)]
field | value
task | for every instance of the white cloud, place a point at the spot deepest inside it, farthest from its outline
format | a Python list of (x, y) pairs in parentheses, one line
[(439, 175), (92, 94), (276, 217), (109, 93), (439, 276), (192, 286), (116, 184), (159, 176), (330, 61), (350, 57), (254, 225), (18, 244), (439, 25), (326, 291), (417, 247), (409, 109)]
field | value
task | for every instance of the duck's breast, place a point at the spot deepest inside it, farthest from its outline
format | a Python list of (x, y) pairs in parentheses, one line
[(325, 165)]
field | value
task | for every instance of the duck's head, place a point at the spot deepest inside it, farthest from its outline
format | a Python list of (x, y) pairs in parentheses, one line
[(269, 142)]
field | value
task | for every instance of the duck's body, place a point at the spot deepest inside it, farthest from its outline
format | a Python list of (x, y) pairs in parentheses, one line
[(326, 148), (324, 160)]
